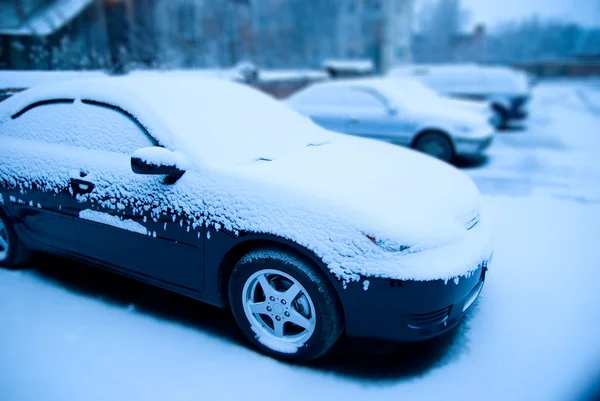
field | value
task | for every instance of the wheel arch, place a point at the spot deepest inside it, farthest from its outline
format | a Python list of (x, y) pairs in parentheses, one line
[(236, 252)]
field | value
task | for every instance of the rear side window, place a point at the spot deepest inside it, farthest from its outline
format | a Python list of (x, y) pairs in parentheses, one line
[(347, 98), (85, 125)]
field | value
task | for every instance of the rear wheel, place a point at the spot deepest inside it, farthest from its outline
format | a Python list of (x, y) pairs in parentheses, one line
[(284, 306), (435, 144), (12, 250)]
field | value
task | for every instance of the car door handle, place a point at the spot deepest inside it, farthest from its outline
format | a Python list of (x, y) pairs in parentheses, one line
[(354, 119), (81, 187)]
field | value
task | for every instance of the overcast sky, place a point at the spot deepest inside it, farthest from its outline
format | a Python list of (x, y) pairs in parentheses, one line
[(490, 12)]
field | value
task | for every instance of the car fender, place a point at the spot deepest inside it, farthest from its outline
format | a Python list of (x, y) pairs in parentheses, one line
[(228, 248)]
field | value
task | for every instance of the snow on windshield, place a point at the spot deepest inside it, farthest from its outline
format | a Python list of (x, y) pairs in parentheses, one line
[(226, 123)]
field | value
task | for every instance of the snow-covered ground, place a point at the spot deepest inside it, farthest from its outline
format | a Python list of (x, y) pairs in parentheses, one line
[(70, 332)]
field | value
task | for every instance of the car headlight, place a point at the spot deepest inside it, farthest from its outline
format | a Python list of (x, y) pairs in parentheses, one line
[(388, 245)]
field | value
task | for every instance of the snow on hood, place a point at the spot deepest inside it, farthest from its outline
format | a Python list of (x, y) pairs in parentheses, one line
[(393, 193), (454, 114), (478, 106), (410, 94), (258, 166)]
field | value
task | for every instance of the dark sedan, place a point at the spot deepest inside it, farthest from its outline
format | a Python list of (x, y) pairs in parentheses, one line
[(215, 191)]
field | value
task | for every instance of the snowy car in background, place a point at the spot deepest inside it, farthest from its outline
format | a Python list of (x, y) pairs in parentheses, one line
[(507, 90), (414, 88), (238, 201), (381, 109)]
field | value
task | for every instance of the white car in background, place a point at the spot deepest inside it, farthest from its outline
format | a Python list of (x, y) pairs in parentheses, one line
[(377, 108), (416, 88), (506, 89)]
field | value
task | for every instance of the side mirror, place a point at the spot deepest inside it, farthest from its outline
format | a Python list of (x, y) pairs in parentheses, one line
[(158, 161), (392, 111)]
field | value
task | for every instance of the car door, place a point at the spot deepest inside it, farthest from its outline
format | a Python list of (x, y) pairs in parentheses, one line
[(35, 173), (125, 220), (371, 117)]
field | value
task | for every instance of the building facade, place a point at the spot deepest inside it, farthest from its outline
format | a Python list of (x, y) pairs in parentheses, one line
[(86, 34), (379, 30), (42, 34)]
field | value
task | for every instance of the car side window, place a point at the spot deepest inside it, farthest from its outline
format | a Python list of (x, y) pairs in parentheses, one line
[(362, 100), (87, 125), (346, 98)]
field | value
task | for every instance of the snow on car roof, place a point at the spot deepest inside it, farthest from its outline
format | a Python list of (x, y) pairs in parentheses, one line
[(361, 65), (467, 78), (291, 75), (369, 83), (221, 122), (391, 90)]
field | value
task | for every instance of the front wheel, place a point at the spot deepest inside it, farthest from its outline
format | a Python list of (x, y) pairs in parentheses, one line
[(435, 144), (284, 306), (12, 250)]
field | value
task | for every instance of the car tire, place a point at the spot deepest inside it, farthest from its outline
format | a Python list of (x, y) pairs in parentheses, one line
[(297, 317), (436, 145), (13, 253)]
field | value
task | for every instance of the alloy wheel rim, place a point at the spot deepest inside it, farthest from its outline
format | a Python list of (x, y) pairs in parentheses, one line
[(278, 308), (4, 241)]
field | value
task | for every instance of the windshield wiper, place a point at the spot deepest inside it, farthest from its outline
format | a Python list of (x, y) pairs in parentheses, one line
[(318, 143)]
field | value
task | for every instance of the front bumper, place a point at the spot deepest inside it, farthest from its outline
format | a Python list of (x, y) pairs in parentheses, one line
[(410, 310), (472, 146), (518, 108), (518, 114)]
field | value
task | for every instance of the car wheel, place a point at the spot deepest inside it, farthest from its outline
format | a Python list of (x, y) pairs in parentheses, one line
[(13, 252), (436, 145), (284, 306)]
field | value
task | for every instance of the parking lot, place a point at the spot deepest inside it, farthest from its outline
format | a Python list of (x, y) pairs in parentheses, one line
[(68, 329)]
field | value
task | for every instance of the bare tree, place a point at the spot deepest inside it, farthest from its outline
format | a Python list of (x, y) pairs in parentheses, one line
[(535, 39), (439, 23)]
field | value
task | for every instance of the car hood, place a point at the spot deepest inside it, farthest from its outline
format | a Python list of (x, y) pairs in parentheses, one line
[(449, 111), (476, 106), (386, 191)]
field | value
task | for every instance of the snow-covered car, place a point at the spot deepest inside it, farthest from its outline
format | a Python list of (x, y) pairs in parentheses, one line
[(507, 90), (414, 88), (379, 109), (214, 190)]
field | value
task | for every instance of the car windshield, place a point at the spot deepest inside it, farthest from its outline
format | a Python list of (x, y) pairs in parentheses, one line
[(224, 123)]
